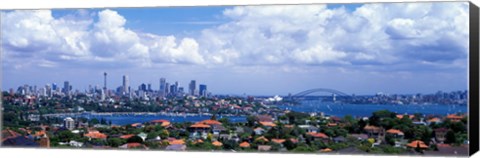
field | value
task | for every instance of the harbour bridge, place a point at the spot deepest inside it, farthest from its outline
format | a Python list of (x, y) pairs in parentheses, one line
[(303, 94)]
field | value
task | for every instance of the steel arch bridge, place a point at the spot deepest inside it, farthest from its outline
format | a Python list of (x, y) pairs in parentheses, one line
[(310, 91)]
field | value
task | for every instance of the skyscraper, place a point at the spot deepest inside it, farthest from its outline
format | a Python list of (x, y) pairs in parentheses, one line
[(167, 88), (105, 81), (191, 87), (66, 87), (162, 87), (172, 89), (48, 90), (125, 85), (176, 87), (203, 90)]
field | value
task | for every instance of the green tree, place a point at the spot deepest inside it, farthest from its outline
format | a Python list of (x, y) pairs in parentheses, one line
[(135, 139), (65, 136), (116, 142)]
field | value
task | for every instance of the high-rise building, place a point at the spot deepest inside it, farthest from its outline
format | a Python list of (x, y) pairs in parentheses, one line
[(167, 88), (103, 96), (149, 87), (162, 89), (176, 87), (143, 87), (172, 89), (180, 90), (66, 87), (105, 81), (203, 90), (125, 85), (54, 86), (69, 123), (191, 87), (48, 90)]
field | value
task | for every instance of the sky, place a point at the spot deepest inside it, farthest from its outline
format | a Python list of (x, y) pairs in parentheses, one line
[(400, 48)]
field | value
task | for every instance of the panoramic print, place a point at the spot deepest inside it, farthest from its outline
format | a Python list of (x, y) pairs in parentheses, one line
[(374, 78)]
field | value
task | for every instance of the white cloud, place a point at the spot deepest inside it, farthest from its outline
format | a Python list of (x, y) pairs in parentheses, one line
[(296, 35)]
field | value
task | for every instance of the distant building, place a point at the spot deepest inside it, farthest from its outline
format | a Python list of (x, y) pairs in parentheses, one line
[(66, 87), (172, 89), (105, 81), (191, 87), (125, 85), (54, 86), (143, 87), (69, 123), (203, 90), (162, 89)]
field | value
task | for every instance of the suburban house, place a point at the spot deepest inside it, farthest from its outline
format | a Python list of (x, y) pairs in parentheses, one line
[(395, 133), (319, 137), (259, 131), (440, 134), (309, 128), (217, 129), (374, 131), (434, 120), (455, 118), (163, 123), (95, 135), (244, 145), (417, 144)]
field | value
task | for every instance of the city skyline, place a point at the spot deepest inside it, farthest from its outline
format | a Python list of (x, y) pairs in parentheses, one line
[(258, 50)]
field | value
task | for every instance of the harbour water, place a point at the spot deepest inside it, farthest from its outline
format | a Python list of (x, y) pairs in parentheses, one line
[(328, 108), (365, 110)]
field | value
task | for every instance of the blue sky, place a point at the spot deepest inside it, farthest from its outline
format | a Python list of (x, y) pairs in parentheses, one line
[(354, 48)]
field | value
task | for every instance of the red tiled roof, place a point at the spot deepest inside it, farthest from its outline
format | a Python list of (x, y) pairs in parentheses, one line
[(176, 141), (454, 117), (159, 121), (136, 124), (373, 129), (326, 150), (96, 134), (217, 143), (416, 143), (278, 141), (318, 135), (127, 136), (245, 145), (197, 141), (268, 124), (262, 138), (435, 119), (199, 125), (40, 133), (294, 140), (211, 122), (258, 128), (395, 131), (401, 116)]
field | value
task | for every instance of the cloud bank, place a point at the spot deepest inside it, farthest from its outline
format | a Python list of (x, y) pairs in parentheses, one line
[(402, 36)]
